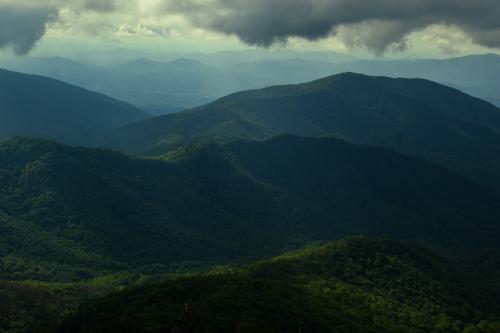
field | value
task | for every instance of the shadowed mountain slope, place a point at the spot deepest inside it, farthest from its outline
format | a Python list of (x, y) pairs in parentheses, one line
[(70, 213), (414, 117), (42, 107)]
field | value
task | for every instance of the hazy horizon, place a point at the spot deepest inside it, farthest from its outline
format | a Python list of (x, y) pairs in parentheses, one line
[(392, 30)]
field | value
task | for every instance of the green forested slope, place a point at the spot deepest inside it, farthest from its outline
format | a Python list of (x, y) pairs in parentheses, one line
[(68, 214), (352, 285), (415, 117), (42, 107), (72, 213), (373, 190)]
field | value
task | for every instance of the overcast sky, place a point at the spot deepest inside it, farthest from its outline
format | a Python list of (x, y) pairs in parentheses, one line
[(394, 28)]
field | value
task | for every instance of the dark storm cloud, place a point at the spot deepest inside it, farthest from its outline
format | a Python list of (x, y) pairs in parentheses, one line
[(379, 23), (24, 22), (374, 24), (22, 26)]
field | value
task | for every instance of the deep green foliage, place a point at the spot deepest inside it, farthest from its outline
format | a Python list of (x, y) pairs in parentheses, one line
[(353, 285), (24, 306), (68, 214), (71, 213), (415, 117), (43, 107), (368, 190), (29, 306)]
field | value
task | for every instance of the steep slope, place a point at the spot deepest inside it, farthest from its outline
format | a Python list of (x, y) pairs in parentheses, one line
[(43, 107), (352, 285), (415, 117), (72, 213), (372, 190)]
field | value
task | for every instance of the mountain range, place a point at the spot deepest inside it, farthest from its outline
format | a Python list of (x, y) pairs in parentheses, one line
[(71, 213), (173, 82), (412, 116), (42, 107), (247, 177)]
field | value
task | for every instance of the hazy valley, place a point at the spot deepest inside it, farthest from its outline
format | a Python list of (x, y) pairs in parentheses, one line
[(173, 82)]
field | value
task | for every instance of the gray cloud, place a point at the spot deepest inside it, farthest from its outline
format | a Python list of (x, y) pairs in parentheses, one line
[(375, 24), (23, 24), (21, 27), (378, 25)]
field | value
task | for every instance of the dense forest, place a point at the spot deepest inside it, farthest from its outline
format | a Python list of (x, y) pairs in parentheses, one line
[(262, 166), (206, 204), (209, 204), (414, 117), (228, 218), (352, 285)]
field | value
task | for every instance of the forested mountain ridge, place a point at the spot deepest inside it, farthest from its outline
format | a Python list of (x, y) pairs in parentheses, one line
[(41, 107), (71, 217), (415, 117), (179, 81), (143, 213), (70, 213), (352, 285)]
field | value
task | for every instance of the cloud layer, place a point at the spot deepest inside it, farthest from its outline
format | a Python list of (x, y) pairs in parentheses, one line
[(377, 25), (22, 27), (24, 22)]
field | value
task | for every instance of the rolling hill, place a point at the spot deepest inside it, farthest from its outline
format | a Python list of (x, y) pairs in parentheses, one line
[(352, 285), (68, 214), (412, 116), (42, 107)]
